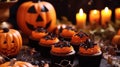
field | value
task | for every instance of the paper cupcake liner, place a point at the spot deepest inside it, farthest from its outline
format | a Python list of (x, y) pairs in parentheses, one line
[(92, 61), (57, 59), (45, 51), (34, 44)]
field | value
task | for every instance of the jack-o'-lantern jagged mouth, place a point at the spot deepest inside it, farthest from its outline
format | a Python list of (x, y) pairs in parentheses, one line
[(31, 27)]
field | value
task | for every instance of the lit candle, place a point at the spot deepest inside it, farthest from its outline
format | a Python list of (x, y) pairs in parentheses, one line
[(117, 14), (81, 19), (5, 25), (94, 17), (105, 16)]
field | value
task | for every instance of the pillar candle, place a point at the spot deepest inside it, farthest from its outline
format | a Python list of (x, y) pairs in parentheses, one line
[(105, 16), (81, 19), (94, 17), (117, 15)]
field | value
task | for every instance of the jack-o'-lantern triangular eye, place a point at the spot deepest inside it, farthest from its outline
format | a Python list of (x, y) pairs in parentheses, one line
[(44, 9), (32, 10)]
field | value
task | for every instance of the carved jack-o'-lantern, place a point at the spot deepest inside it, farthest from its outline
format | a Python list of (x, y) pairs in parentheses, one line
[(32, 15), (10, 42)]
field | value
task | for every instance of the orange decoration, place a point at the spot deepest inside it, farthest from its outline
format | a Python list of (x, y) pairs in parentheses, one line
[(38, 35), (67, 33), (32, 15), (48, 42), (78, 38), (117, 13), (116, 40), (94, 17), (10, 42), (118, 32), (62, 50), (15, 63), (90, 51)]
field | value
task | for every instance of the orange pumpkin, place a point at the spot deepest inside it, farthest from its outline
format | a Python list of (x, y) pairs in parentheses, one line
[(116, 41), (118, 32), (15, 63), (32, 15), (10, 42)]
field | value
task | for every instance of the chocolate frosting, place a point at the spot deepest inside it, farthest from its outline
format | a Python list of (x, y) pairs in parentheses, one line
[(62, 44), (88, 44), (50, 36), (67, 27), (81, 34), (40, 29), (70, 28)]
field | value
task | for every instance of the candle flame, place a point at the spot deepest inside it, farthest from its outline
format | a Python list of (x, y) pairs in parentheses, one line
[(81, 11), (4, 25), (95, 11), (106, 9)]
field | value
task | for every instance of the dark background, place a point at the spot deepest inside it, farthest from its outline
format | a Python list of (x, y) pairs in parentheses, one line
[(69, 8)]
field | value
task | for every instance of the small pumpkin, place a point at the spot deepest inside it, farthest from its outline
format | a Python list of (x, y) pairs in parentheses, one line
[(116, 41), (34, 14), (15, 63), (10, 42), (118, 32)]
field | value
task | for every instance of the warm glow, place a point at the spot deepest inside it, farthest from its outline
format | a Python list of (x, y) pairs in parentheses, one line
[(117, 14), (94, 17), (95, 11), (106, 9), (81, 19), (105, 16), (81, 11), (4, 25)]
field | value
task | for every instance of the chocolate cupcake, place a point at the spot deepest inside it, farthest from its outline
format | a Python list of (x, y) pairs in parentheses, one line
[(89, 54), (46, 42), (68, 32), (77, 39), (36, 36), (60, 51)]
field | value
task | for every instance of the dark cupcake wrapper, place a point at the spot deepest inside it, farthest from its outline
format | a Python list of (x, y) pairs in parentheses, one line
[(67, 39), (56, 59), (45, 51), (92, 61), (76, 48), (117, 52), (34, 44)]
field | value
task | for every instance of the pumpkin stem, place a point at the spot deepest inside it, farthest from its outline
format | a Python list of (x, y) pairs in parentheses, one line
[(12, 62), (5, 30), (35, 1)]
